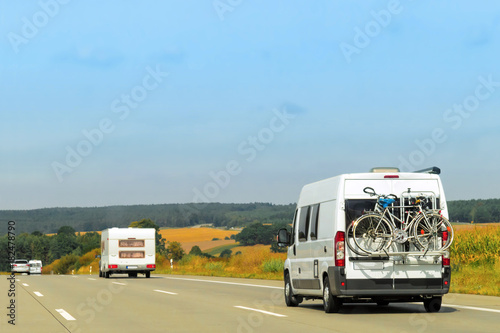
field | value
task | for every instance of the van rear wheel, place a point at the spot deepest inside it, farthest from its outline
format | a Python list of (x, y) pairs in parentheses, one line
[(433, 304), (331, 303), (148, 275), (290, 299)]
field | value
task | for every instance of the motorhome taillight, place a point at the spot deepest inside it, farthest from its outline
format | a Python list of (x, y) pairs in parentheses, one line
[(391, 176), (446, 258), (151, 266), (112, 266), (340, 249)]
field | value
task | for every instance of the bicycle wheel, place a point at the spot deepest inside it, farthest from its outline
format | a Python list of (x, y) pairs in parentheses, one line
[(372, 233), (428, 231), (351, 243)]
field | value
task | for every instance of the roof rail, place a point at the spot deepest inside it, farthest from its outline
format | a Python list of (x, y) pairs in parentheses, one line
[(432, 170)]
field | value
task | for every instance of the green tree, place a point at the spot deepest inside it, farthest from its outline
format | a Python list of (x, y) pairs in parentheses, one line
[(226, 254), (175, 251), (195, 250)]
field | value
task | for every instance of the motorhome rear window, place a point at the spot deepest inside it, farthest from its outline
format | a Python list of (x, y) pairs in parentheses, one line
[(131, 243), (132, 254)]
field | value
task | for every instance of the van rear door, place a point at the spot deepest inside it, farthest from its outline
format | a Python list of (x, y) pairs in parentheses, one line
[(389, 272)]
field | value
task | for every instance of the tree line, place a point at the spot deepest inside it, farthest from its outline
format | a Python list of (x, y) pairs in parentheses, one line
[(49, 220)]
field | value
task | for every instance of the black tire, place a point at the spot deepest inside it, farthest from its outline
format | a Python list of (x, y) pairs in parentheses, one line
[(428, 231), (433, 304), (148, 275), (290, 299), (352, 244), (107, 275), (331, 303), (372, 233)]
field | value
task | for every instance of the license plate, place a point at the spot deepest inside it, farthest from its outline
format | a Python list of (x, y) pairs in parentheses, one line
[(131, 267)]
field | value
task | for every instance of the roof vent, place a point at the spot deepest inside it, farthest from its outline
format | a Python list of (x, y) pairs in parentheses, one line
[(384, 169)]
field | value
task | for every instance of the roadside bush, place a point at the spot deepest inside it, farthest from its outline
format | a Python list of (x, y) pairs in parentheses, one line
[(273, 265), (66, 264)]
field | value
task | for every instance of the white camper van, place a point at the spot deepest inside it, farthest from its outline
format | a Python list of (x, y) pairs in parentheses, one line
[(327, 260), (127, 250)]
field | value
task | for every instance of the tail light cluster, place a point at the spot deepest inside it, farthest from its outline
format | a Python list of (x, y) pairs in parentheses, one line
[(112, 266), (151, 266), (340, 249), (446, 258)]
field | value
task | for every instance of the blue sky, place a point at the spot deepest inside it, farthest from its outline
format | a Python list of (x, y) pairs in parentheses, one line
[(124, 102)]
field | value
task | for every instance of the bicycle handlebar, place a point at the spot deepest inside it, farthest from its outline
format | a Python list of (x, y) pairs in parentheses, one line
[(371, 192)]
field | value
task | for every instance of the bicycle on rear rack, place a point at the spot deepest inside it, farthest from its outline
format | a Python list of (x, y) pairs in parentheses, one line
[(375, 231)]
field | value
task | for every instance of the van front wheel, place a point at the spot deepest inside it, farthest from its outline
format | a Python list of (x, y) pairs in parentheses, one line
[(331, 303), (290, 299)]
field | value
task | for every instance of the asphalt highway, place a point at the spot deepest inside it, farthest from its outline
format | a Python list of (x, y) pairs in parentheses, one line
[(172, 303)]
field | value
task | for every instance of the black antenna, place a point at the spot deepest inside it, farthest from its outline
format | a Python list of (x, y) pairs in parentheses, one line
[(432, 170)]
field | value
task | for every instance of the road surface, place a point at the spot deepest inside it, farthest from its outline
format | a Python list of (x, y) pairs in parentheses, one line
[(171, 303)]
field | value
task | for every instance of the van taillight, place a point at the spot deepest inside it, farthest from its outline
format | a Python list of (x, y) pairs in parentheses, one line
[(151, 266), (391, 176), (112, 266), (340, 249), (446, 258)]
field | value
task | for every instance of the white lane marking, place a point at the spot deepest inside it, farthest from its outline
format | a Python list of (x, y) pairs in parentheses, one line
[(165, 292), (26, 285), (223, 282), (92, 279), (261, 311), (66, 315), (471, 308), (18, 280), (123, 284), (39, 294)]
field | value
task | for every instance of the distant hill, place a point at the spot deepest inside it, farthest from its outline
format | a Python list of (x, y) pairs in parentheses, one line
[(49, 220)]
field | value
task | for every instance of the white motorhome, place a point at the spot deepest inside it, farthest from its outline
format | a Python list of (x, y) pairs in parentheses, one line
[(320, 263), (127, 251)]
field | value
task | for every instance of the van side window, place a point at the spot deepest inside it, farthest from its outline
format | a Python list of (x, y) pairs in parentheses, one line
[(304, 223), (314, 222), (292, 236)]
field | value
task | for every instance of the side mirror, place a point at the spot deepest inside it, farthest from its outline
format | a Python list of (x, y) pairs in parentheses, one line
[(98, 256), (283, 238)]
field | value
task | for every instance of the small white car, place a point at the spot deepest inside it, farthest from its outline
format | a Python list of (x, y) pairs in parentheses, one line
[(20, 266), (35, 266)]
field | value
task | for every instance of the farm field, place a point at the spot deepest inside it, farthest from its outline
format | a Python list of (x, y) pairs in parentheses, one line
[(189, 237), (475, 259)]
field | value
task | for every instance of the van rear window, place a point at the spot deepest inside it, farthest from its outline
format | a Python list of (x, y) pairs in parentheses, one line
[(132, 254), (354, 208)]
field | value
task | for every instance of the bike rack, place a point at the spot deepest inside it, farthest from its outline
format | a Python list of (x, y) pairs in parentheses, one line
[(406, 254)]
